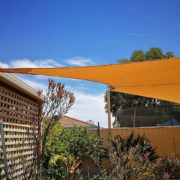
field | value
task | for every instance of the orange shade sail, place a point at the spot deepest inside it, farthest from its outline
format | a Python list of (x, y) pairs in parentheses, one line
[(158, 79)]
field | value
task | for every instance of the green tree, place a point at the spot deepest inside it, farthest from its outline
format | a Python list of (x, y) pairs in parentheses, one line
[(57, 102), (125, 101), (138, 55), (154, 53), (121, 61), (169, 54)]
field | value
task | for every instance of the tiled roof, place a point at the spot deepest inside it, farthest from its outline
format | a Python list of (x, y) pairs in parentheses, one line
[(68, 122)]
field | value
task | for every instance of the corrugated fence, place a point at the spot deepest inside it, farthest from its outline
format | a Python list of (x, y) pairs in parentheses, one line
[(165, 139)]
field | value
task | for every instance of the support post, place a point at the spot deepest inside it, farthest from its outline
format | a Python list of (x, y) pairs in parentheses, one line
[(98, 130), (3, 148), (109, 111), (134, 117)]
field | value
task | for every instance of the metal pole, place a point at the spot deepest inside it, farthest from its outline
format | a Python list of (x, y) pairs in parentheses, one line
[(109, 111)]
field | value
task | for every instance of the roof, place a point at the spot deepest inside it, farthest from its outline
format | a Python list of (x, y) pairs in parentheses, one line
[(173, 122), (68, 122), (158, 79), (15, 82)]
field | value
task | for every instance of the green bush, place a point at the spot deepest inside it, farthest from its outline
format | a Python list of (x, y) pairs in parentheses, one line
[(134, 158), (167, 168), (82, 144), (122, 145), (129, 165), (132, 165), (130, 158), (66, 149)]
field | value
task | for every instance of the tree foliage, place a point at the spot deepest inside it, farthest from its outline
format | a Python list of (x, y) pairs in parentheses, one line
[(169, 54), (125, 101), (57, 102), (154, 53), (137, 55)]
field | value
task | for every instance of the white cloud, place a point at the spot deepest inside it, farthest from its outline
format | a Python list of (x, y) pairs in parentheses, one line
[(41, 77), (79, 61), (34, 84), (27, 63), (89, 107), (3, 65)]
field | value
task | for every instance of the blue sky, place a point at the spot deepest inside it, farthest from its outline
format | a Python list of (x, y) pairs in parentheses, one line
[(45, 33)]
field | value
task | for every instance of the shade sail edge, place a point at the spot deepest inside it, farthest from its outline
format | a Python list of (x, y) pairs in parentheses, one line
[(156, 79)]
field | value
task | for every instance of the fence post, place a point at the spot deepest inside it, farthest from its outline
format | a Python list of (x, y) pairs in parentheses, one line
[(98, 130), (134, 117), (3, 148), (174, 146)]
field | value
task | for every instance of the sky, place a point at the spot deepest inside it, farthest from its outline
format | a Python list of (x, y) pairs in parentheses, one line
[(58, 33)]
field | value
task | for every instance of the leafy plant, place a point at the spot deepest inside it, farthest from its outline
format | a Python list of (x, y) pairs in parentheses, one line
[(130, 165), (62, 166), (57, 102), (134, 158), (66, 149), (121, 145), (167, 168), (82, 144)]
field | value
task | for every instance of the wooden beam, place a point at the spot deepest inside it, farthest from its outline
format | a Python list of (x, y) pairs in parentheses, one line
[(109, 111), (134, 117), (3, 148)]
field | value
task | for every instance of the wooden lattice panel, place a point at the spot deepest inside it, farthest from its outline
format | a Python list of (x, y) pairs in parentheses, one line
[(20, 115)]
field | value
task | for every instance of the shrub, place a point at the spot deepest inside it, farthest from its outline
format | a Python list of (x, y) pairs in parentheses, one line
[(67, 149), (134, 158), (167, 168), (131, 164), (122, 145), (83, 144)]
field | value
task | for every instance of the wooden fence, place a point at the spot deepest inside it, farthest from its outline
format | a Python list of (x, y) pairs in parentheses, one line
[(165, 139)]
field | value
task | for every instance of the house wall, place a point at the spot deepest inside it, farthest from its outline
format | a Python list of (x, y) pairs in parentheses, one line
[(20, 120)]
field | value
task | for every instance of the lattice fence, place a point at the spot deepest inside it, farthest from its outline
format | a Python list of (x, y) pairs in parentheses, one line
[(20, 121)]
